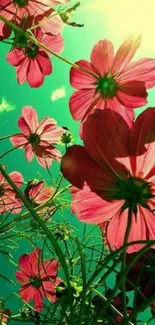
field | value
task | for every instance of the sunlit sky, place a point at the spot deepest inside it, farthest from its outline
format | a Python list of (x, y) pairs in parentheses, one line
[(122, 18)]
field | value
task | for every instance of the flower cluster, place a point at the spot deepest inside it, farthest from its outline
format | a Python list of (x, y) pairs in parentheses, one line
[(38, 278), (44, 26)]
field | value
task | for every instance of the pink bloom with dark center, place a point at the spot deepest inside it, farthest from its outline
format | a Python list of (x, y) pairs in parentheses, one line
[(33, 63), (38, 192), (8, 198), (113, 173), (38, 278), (113, 82), (38, 138)]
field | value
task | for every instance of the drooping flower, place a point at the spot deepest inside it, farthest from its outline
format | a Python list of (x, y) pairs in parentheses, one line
[(8, 198), (31, 62), (38, 193), (115, 173), (113, 82), (4, 316), (38, 278), (38, 138)]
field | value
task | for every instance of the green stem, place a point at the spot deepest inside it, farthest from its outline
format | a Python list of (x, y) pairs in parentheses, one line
[(41, 45), (127, 233), (5, 153), (42, 224), (6, 137)]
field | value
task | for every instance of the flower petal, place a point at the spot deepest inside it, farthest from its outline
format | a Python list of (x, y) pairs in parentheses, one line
[(80, 79), (132, 94), (125, 54), (31, 117), (15, 57), (29, 153), (106, 138), (17, 178), (81, 102), (24, 127), (141, 70), (143, 142), (91, 208), (79, 168), (102, 56), (24, 264), (35, 76), (18, 140)]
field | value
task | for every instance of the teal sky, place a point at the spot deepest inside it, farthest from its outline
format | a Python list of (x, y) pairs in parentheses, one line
[(78, 45)]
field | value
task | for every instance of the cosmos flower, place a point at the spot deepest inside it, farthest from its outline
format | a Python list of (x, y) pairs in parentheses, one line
[(8, 198), (115, 173), (38, 192), (114, 83), (38, 138), (31, 62), (38, 278), (4, 316)]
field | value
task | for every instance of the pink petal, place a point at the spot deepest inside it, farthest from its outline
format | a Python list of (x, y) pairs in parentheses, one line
[(44, 63), (142, 228), (126, 113), (91, 208), (24, 127), (18, 140), (53, 42), (80, 79), (21, 277), (17, 178), (35, 76), (141, 70), (44, 162), (125, 54), (51, 22), (102, 56), (143, 142), (52, 134), (29, 152), (131, 101), (22, 70), (81, 102), (37, 300), (104, 148), (35, 260), (27, 292), (79, 168), (49, 269), (132, 94), (15, 57), (24, 264), (31, 118)]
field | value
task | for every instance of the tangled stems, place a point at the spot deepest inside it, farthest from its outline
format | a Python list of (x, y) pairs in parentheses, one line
[(49, 235), (35, 41)]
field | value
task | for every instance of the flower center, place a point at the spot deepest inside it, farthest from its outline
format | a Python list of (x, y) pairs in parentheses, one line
[(35, 282), (32, 51), (107, 86), (21, 3), (1, 191), (34, 139), (134, 191)]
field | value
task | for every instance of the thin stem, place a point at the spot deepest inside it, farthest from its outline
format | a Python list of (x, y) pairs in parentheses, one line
[(5, 153), (6, 137), (127, 233), (41, 45)]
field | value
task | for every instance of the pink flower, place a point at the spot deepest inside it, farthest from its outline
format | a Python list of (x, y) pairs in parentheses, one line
[(38, 192), (114, 83), (38, 278), (38, 138), (8, 198), (115, 171), (4, 316), (33, 63)]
